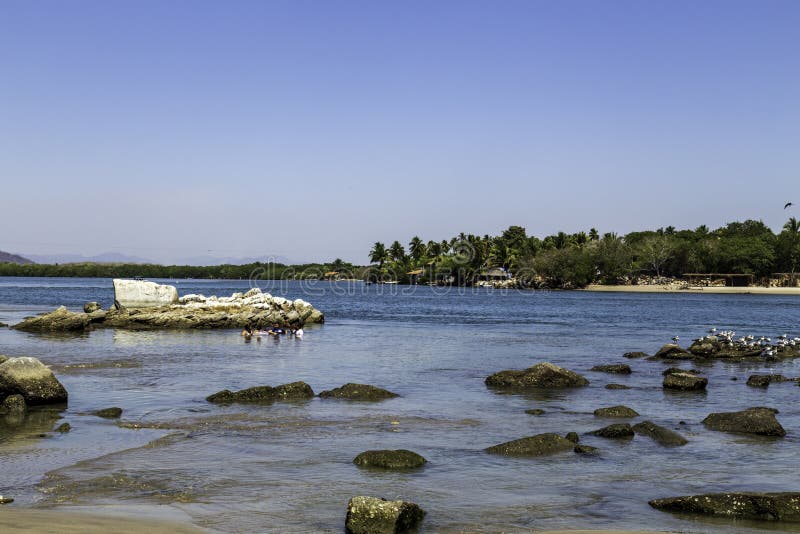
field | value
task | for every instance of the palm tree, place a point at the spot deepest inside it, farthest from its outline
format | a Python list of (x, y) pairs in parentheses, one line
[(416, 248), (593, 234), (397, 252), (792, 226), (378, 254)]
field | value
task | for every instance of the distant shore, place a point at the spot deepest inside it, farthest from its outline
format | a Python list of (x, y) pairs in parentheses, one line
[(748, 290)]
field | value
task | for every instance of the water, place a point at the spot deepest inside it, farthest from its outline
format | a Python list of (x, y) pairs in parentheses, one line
[(288, 467)]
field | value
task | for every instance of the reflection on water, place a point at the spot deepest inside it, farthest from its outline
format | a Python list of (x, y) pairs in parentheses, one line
[(288, 466)]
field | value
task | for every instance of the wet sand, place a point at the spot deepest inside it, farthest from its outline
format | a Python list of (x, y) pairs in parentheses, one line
[(26, 520), (695, 289)]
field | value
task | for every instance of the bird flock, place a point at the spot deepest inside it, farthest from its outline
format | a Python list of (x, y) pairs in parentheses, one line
[(729, 340)]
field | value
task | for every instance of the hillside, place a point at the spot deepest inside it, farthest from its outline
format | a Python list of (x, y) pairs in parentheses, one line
[(6, 257)]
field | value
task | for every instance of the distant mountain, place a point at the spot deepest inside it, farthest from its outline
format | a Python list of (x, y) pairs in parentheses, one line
[(106, 257), (7, 257), (208, 260)]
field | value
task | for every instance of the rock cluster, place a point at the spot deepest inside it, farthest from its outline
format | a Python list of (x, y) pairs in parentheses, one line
[(542, 375)]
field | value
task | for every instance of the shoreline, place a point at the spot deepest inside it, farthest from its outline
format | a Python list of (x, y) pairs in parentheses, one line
[(88, 520), (748, 290)]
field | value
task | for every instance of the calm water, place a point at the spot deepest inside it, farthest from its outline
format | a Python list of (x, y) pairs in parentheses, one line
[(287, 467)]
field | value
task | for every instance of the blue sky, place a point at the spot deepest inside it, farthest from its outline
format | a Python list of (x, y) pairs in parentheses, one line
[(171, 129)]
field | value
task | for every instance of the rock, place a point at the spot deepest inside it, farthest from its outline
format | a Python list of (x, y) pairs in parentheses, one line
[(143, 294), (635, 355), (587, 449), (685, 382), (538, 445), (676, 370), (535, 411), (3, 358), (371, 515), (13, 405), (573, 437), (60, 320), (63, 428), (90, 307), (659, 434), (359, 392), (705, 347), (542, 375), (6, 500), (672, 352), (618, 369), (264, 394), (30, 378), (109, 413), (616, 411), (617, 386), (615, 431), (2, 324), (388, 459), (762, 381), (759, 506), (759, 421)]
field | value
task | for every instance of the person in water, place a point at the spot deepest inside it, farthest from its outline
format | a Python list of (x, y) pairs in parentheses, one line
[(299, 332), (247, 331)]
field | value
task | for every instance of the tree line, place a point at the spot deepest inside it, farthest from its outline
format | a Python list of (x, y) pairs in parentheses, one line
[(575, 260)]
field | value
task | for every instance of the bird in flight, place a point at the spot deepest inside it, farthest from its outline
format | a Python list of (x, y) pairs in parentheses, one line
[(787, 205)]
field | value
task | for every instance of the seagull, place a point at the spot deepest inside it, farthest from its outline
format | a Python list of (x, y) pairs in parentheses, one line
[(787, 205), (675, 339)]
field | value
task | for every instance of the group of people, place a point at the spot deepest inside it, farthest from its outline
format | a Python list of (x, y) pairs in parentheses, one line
[(275, 331)]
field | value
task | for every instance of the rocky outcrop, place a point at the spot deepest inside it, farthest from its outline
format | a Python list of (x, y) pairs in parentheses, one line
[(760, 421), (358, 392), (538, 445), (682, 381), (33, 380), (616, 411), (762, 381), (264, 394), (758, 506), (143, 294), (60, 320), (616, 431), (254, 308), (659, 434), (617, 369), (390, 459), (371, 515), (542, 375)]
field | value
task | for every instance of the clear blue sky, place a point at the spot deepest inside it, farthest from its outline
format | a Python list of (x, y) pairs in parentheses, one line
[(168, 129)]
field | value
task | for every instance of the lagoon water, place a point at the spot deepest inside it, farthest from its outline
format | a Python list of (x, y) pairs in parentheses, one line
[(287, 467)]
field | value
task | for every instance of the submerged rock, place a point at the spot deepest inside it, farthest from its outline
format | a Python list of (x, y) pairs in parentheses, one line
[(109, 413), (390, 459), (616, 411), (635, 355), (542, 375), (264, 394), (371, 515), (359, 392), (535, 411), (659, 434), (683, 381), (60, 320), (587, 450), (760, 421), (618, 369), (615, 431), (759, 506), (63, 428), (32, 379), (13, 405), (617, 386), (538, 445), (573, 437), (762, 381)]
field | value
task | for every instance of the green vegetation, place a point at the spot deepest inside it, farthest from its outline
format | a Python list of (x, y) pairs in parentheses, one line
[(575, 260)]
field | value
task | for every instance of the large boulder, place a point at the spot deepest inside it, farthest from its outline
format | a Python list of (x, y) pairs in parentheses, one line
[(538, 445), (60, 320), (659, 434), (617, 369), (359, 392), (388, 459), (685, 382), (758, 506), (32, 379), (143, 294), (541, 375), (616, 411), (371, 515), (673, 352), (759, 421), (264, 394)]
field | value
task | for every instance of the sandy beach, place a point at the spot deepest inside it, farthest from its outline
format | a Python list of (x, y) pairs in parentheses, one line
[(27, 520), (695, 289)]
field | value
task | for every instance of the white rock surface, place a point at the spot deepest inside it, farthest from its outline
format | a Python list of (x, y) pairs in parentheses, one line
[(143, 294)]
